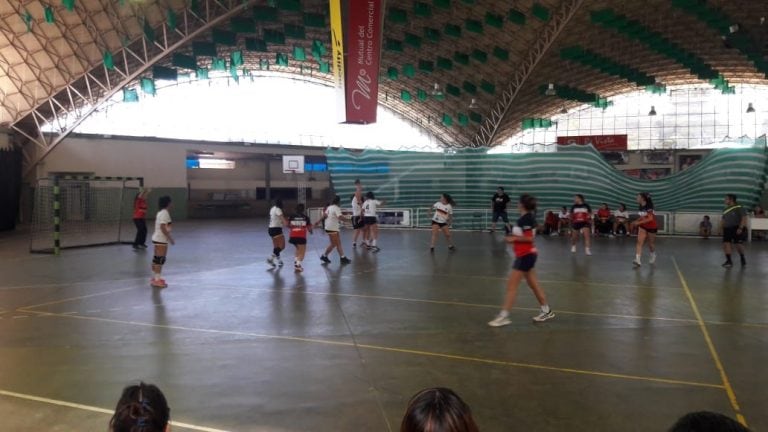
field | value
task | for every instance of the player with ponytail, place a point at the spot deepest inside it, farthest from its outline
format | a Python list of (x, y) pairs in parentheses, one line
[(521, 238), (141, 408)]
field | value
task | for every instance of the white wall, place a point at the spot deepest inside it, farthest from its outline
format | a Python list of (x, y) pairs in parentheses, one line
[(162, 164)]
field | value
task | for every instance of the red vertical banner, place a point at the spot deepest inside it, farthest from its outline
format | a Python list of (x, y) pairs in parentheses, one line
[(363, 46)]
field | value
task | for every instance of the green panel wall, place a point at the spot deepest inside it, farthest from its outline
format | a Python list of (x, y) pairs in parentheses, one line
[(414, 179)]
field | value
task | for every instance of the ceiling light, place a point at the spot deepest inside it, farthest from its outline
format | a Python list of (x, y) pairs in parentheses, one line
[(474, 105), (652, 112), (550, 90), (436, 91), (750, 108)]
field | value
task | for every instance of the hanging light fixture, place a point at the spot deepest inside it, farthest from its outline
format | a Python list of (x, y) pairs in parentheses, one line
[(652, 112), (437, 91), (550, 90), (473, 104), (750, 108)]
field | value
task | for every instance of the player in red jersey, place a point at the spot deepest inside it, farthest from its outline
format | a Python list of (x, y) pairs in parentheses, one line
[(647, 228), (521, 238), (581, 222), (299, 225)]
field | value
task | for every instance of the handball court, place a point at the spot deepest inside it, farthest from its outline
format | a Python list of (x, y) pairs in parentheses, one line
[(239, 347)]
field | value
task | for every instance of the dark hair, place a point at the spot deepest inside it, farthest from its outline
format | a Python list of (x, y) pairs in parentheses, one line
[(449, 199), (141, 408), (706, 421), (163, 202), (336, 200), (357, 181), (300, 208), (438, 410), (731, 197), (580, 196), (500, 188), (605, 204), (706, 216), (369, 195), (279, 203), (622, 205), (647, 198), (528, 202)]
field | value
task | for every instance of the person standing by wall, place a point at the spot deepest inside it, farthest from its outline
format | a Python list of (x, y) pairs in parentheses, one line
[(734, 227), (442, 214), (139, 219), (499, 202), (161, 238)]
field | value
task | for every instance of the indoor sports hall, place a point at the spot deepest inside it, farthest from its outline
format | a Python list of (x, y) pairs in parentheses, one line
[(300, 215)]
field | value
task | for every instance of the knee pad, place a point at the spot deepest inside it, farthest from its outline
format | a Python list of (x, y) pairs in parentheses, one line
[(159, 260)]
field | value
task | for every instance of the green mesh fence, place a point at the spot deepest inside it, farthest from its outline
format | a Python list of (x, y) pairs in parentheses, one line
[(414, 179)]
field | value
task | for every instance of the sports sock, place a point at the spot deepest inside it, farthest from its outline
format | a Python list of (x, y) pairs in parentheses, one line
[(373, 242), (545, 309), (156, 276), (504, 313), (637, 258)]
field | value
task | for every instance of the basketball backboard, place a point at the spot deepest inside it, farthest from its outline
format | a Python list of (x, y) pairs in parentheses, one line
[(293, 164)]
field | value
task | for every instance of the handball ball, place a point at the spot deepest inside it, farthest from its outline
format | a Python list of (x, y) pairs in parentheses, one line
[(517, 231)]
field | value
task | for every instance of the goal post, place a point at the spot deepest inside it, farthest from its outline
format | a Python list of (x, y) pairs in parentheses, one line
[(82, 211)]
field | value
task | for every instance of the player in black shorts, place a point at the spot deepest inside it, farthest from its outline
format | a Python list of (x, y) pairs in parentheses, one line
[(525, 259), (734, 226)]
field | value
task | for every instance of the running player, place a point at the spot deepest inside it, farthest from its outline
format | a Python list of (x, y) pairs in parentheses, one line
[(332, 215), (160, 239), (277, 221), (442, 214), (371, 219), (525, 259), (299, 225), (734, 225), (646, 228), (581, 220)]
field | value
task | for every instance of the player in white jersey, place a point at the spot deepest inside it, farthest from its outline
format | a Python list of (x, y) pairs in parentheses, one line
[(277, 221), (161, 238), (332, 217), (371, 220), (357, 214), (442, 214)]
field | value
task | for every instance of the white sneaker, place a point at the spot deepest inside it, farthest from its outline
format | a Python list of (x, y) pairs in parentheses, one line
[(573, 249), (653, 258), (279, 262), (500, 321), (636, 263), (271, 261), (588, 251), (544, 316)]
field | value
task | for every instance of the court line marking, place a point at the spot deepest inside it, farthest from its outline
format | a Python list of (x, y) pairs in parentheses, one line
[(399, 350), (30, 309), (96, 409), (711, 346), (82, 297)]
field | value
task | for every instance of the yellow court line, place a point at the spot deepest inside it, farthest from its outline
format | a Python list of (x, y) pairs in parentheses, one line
[(73, 299), (96, 409), (712, 350), (399, 350)]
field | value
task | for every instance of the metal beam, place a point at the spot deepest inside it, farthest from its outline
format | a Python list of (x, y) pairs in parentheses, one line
[(144, 55), (490, 128)]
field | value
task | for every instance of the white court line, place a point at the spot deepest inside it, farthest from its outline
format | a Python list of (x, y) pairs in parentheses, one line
[(96, 409)]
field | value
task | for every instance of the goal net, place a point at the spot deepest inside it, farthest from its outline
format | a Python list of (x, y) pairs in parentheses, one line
[(72, 212)]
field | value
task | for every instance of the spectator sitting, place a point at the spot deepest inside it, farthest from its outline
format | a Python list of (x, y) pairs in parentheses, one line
[(437, 410), (705, 227), (551, 223), (758, 212), (621, 220), (563, 220), (705, 421), (603, 221), (142, 408)]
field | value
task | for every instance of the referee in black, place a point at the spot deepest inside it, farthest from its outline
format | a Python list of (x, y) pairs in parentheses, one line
[(734, 225)]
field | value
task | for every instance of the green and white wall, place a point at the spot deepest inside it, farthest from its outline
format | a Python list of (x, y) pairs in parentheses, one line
[(413, 179)]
